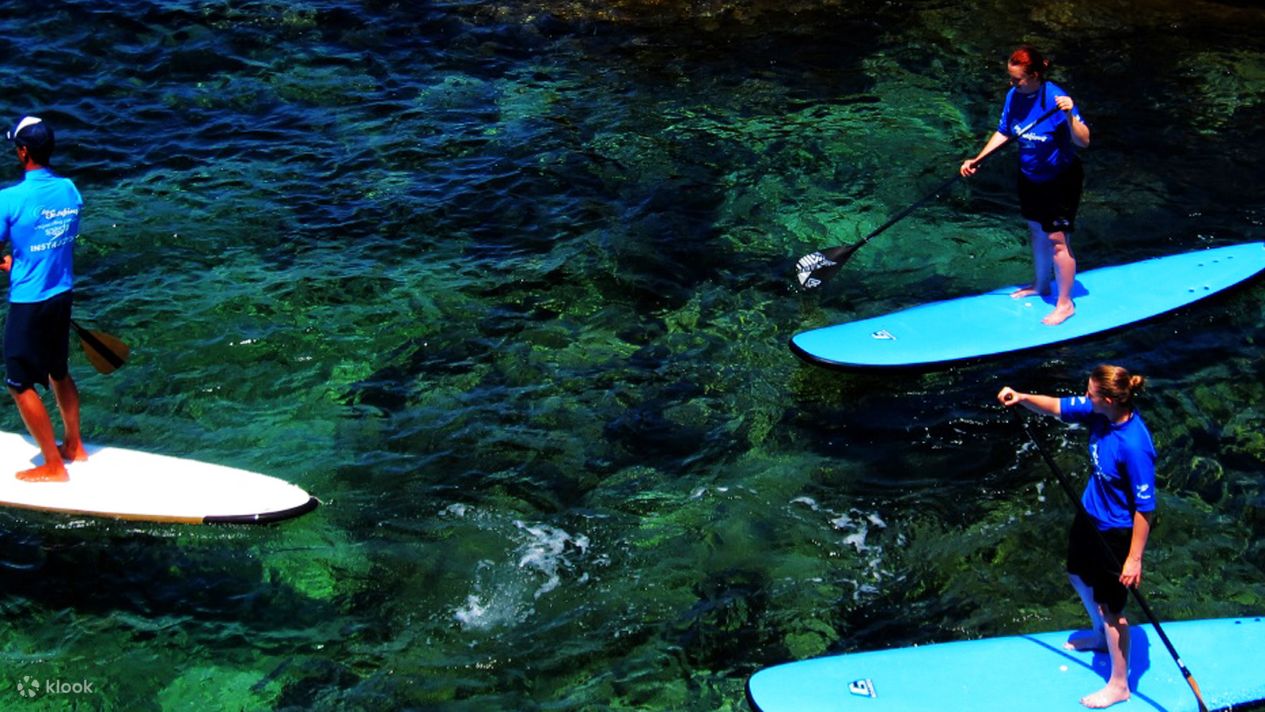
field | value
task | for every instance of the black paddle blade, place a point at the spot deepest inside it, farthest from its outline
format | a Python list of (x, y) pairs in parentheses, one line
[(814, 269)]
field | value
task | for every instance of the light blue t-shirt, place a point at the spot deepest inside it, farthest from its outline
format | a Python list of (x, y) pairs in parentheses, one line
[(1123, 457), (1047, 147), (41, 221)]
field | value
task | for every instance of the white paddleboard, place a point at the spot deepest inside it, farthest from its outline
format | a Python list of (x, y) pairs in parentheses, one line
[(128, 484)]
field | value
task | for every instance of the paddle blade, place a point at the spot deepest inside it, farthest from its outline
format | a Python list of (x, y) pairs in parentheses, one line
[(105, 352), (814, 269)]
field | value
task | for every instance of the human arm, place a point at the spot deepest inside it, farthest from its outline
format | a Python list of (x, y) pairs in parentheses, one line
[(1080, 132), (969, 165), (1045, 405), (1131, 574), (6, 264)]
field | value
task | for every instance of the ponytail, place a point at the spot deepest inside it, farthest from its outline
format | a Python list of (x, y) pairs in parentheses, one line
[(1116, 383)]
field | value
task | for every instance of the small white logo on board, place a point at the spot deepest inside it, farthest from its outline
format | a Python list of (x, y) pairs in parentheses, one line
[(862, 688), (883, 334)]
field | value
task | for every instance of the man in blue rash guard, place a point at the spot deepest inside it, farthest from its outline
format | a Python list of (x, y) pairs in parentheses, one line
[(40, 224), (1118, 502), (1050, 173)]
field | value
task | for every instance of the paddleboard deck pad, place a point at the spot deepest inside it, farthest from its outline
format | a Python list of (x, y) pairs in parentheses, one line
[(990, 324), (1026, 672), (129, 484)]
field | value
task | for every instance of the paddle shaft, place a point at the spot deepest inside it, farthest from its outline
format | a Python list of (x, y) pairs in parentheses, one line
[(1137, 595), (921, 201), (834, 257), (956, 177)]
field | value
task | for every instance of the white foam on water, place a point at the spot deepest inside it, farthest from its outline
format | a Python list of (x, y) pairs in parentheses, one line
[(547, 553), (473, 614), (497, 606), (859, 530), (453, 510), (503, 593)]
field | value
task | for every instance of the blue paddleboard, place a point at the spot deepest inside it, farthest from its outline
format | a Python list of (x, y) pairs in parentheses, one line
[(1025, 672), (990, 324)]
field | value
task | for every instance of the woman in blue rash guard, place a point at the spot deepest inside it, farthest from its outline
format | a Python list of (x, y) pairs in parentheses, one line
[(1118, 502), (1050, 173)]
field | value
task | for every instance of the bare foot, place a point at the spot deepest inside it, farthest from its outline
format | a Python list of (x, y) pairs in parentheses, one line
[(1086, 640), (44, 473), (73, 452), (1105, 697), (1059, 315), (1022, 292)]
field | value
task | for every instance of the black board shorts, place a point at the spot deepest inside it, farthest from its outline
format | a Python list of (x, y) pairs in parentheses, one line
[(1053, 203), (37, 342), (1099, 560)]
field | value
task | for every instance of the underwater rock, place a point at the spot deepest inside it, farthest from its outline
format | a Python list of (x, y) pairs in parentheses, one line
[(706, 14), (313, 680), (1204, 476), (231, 688), (726, 619), (644, 430), (1245, 446), (1254, 516), (813, 638)]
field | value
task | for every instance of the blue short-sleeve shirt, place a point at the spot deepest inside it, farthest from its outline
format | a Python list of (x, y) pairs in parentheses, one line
[(40, 218), (1047, 147), (1123, 457)]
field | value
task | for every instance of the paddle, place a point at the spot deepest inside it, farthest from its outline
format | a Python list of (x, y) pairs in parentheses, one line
[(104, 352), (815, 268), (1137, 595)]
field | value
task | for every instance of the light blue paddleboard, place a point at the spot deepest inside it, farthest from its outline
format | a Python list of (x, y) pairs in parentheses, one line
[(1226, 658), (993, 323)]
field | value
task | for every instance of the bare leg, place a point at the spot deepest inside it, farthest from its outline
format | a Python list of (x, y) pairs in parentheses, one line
[(41, 428), (1065, 277), (1096, 639), (72, 449), (1042, 262), (1117, 689)]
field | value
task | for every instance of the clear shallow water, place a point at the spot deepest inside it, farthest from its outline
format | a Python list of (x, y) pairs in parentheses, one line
[(508, 287)]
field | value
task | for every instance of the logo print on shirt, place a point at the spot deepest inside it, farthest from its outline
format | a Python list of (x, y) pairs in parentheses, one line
[(1093, 456), (1017, 130)]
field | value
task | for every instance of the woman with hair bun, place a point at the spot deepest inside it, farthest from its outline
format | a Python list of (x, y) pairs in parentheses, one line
[(1118, 502), (1050, 173)]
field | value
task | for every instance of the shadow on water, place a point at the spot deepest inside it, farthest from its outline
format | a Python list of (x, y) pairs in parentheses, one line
[(172, 591), (106, 567)]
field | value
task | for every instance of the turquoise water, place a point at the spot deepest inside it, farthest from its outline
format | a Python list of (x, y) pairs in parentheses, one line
[(508, 287)]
